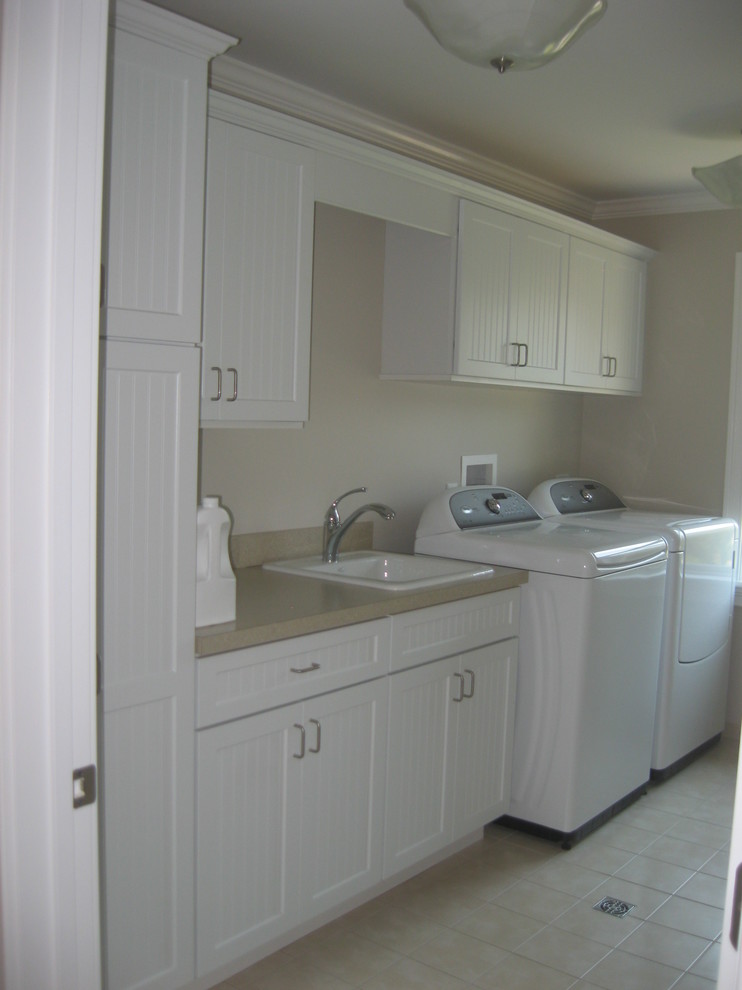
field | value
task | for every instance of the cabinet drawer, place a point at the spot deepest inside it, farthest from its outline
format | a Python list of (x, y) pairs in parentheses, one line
[(251, 680), (440, 631)]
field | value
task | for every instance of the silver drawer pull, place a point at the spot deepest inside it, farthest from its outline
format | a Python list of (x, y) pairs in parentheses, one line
[(470, 692), (304, 670), (460, 678), (217, 397), (318, 744), (303, 749)]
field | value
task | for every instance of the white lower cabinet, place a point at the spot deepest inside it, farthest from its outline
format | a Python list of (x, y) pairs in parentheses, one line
[(289, 817), (422, 737), (343, 795), (484, 737), (450, 748), (313, 788)]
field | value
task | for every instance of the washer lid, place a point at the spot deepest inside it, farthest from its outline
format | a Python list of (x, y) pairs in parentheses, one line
[(548, 547), (579, 500), (498, 526)]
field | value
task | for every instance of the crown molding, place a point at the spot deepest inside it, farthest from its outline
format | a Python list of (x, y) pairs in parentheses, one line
[(166, 28), (235, 78), (692, 202)]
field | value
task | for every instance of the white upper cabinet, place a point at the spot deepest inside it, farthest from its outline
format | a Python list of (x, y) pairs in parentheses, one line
[(605, 319), (514, 301), (511, 297), (257, 275), (153, 233)]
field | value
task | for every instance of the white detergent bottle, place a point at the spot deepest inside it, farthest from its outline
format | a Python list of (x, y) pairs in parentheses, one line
[(216, 587)]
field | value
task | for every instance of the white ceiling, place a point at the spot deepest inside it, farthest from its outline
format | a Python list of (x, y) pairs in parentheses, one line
[(654, 88)]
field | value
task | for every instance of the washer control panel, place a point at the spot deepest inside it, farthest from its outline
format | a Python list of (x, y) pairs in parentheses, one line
[(482, 506)]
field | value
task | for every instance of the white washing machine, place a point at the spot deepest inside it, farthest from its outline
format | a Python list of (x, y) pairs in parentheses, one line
[(699, 602), (590, 624)]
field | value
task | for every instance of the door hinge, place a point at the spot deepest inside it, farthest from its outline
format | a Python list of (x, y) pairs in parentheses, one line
[(83, 786)]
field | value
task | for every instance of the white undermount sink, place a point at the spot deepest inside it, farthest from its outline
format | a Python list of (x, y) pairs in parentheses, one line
[(391, 571)]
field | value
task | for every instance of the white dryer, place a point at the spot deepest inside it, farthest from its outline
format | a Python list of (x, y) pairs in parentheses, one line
[(591, 615), (699, 601)]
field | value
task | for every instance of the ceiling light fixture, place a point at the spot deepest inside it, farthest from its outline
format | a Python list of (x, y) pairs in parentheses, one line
[(507, 34), (724, 181)]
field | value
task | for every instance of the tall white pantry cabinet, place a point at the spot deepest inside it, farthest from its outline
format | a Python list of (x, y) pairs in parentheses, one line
[(151, 326)]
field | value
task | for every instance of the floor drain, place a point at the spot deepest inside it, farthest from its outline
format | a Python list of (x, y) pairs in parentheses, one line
[(614, 907)]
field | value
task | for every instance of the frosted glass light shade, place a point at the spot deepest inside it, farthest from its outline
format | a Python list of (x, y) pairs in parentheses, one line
[(723, 180), (518, 34)]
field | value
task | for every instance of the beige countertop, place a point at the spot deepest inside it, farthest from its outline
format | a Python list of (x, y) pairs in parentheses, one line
[(273, 606)]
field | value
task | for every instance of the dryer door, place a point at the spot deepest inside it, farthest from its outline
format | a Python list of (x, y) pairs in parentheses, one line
[(708, 589)]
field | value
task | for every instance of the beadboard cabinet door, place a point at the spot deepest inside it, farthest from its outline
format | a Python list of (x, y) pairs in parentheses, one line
[(147, 572), (343, 794), (247, 853), (422, 737), (511, 297), (153, 220), (450, 750), (257, 276), (605, 319), (484, 743), (290, 816)]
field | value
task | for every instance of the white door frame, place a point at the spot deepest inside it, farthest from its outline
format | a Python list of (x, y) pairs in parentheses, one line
[(730, 966), (52, 90)]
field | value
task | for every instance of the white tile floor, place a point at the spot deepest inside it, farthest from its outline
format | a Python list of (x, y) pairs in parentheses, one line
[(517, 913)]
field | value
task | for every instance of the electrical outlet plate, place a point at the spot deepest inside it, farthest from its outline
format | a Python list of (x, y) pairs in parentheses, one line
[(478, 469)]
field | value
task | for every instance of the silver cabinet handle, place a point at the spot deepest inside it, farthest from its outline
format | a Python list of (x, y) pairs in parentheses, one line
[(234, 385), (520, 349), (470, 692), (304, 670), (461, 695), (217, 397), (318, 741), (612, 368), (303, 744)]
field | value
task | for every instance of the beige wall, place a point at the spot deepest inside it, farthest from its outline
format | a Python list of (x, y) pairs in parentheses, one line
[(670, 443), (403, 440)]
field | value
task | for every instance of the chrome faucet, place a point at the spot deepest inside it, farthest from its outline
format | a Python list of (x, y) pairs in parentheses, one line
[(335, 530)]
